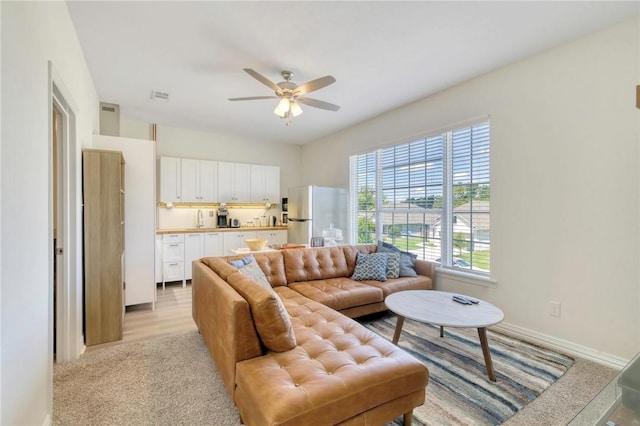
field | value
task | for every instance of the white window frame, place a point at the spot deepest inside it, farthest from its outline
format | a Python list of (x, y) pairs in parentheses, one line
[(447, 214)]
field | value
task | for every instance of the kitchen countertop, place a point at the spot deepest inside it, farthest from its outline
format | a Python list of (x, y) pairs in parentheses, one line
[(199, 230)]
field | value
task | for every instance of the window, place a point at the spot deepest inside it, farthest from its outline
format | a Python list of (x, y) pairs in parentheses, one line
[(430, 196)]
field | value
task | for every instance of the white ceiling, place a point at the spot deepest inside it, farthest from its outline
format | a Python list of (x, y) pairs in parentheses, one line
[(382, 54)]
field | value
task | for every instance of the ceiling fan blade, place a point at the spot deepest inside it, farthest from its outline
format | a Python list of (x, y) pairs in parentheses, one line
[(262, 79), (318, 104), (313, 85), (253, 98)]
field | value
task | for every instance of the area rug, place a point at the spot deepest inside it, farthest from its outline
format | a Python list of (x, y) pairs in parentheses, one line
[(173, 381), (459, 391)]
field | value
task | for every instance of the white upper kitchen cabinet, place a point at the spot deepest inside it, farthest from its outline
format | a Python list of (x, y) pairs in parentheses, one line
[(199, 181), (234, 182), (170, 179), (265, 184)]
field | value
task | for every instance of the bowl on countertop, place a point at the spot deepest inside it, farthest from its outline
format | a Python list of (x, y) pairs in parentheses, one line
[(256, 244)]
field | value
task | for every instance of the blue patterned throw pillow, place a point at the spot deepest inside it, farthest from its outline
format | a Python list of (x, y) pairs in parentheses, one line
[(393, 265), (371, 267), (407, 260)]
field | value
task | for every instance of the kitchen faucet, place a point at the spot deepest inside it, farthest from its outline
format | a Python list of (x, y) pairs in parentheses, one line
[(199, 219)]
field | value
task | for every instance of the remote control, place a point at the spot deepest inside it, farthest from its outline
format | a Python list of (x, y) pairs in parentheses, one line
[(467, 298), (460, 300)]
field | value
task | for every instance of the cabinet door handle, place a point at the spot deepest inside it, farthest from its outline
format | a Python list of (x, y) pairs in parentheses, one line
[(173, 264), (173, 245)]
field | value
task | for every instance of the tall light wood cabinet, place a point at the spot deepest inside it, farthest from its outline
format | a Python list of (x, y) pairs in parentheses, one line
[(139, 215), (103, 200)]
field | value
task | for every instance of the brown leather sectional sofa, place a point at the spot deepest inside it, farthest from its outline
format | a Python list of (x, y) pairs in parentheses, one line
[(298, 359)]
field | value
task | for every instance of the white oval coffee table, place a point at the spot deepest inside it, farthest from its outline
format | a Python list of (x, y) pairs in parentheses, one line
[(438, 308)]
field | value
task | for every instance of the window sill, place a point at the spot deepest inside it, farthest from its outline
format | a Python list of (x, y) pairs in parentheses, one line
[(467, 278)]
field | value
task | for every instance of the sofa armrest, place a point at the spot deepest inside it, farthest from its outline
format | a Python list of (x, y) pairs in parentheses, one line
[(426, 268)]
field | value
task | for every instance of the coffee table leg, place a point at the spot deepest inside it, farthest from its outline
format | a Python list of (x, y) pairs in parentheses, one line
[(482, 333), (399, 324), (441, 331)]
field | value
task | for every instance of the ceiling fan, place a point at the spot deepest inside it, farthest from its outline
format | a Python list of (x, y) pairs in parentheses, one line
[(290, 94)]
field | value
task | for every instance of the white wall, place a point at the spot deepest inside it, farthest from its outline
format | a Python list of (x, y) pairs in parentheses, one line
[(565, 185), (32, 34)]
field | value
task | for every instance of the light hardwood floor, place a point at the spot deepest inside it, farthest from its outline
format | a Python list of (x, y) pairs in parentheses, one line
[(172, 315)]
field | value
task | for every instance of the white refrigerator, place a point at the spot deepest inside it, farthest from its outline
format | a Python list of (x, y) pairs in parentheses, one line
[(314, 208)]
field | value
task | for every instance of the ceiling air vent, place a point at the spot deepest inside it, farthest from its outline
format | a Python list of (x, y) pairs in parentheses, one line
[(160, 96)]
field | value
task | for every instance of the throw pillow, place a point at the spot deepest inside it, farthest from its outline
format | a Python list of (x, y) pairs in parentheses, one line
[(239, 263), (370, 267), (407, 260), (253, 271), (393, 265), (270, 317)]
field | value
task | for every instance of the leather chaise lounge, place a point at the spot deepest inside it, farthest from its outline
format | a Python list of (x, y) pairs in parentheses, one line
[(291, 354)]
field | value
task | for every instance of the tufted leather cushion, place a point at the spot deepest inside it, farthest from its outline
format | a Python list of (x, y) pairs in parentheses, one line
[(272, 264), (350, 253), (419, 282), (339, 293), (269, 315), (338, 369), (315, 264)]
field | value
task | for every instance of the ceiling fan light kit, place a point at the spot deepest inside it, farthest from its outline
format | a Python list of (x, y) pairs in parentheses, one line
[(289, 94)]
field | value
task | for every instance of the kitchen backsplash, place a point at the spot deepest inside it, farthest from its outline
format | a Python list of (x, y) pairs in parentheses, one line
[(180, 218)]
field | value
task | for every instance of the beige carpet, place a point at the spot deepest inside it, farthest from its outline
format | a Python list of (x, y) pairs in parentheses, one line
[(173, 381), (165, 381)]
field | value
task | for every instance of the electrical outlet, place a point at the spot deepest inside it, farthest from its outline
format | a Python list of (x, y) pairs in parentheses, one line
[(554, 309)]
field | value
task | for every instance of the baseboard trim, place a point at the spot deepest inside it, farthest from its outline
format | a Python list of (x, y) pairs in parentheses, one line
[(47, 420), (565, 346)]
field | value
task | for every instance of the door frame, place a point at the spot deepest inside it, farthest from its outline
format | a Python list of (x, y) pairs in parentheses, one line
[(69, 336)]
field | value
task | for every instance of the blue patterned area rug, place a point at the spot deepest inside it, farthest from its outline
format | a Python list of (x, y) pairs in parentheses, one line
[(459, 391)]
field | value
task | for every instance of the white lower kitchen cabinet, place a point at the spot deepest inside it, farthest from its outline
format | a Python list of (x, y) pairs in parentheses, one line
[(192, 251), (273, 237), (173, 258), (173, 271), (235, 240), (213, 244)]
